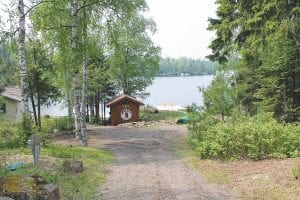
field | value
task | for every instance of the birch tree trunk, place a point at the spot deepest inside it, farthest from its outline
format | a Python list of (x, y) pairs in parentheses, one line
[(22, 58), (75, 79), (69, 99), (84, 83)]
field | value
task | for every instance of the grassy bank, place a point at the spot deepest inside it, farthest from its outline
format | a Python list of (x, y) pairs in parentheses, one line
[(149, 114), (72, 186), (271, 179)]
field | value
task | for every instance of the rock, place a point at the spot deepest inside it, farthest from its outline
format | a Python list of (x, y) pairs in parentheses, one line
[(6, 198), (74, 166), (48, 192), (27, 187)]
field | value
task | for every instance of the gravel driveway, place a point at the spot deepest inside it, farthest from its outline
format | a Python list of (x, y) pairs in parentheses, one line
[(146, 167)]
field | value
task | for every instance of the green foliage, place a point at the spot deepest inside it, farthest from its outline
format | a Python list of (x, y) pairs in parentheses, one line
[(219, 97), (59, 123), (10, 136), (264, 37), (8, 66), (26, 127), (245, 137), (2, 104), (186, 66), (13, 135), (135, 58), (78, 186), (151, 115)]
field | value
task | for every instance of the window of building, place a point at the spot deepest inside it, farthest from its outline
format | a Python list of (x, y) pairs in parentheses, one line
[(2, 108)]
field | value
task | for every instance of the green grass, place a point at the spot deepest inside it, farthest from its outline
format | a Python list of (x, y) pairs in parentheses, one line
[(72, 186), (162, 115)]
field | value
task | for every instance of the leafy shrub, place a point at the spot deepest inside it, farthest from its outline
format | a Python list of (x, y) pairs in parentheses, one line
[(26, 126), (59, 123), (245, 137), (10, 135)]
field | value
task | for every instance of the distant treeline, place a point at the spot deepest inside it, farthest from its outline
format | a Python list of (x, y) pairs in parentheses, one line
[(185, 67)]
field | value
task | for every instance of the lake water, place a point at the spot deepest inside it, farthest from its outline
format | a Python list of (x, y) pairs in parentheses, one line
[(181, 91)]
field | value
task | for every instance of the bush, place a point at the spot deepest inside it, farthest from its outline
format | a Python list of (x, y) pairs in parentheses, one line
[(245, 137), (59, 123), (10, 135)]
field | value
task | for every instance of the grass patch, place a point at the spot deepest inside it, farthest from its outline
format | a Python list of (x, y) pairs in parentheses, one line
[(173, 116), (72, 186)]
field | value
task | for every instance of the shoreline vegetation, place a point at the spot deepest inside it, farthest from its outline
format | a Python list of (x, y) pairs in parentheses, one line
[(173, 67), (183, 75)]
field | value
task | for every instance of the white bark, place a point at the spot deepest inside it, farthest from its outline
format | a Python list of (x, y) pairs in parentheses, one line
[(69, 99), (84, 86), (76, 82), (22, 57)]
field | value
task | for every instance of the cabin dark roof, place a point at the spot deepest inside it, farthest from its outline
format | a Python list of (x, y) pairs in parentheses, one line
[(121, 98), (12, 92)]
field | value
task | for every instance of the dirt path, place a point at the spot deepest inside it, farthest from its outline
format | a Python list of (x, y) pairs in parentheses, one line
[(146, 168)]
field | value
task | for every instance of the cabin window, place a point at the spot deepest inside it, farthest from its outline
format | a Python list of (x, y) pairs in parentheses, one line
[(2, 108)]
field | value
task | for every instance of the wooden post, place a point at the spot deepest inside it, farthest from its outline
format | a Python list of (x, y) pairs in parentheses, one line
[(35, 145)]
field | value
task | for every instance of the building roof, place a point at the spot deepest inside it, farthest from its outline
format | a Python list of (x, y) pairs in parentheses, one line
[(121, 98), (12, 92)]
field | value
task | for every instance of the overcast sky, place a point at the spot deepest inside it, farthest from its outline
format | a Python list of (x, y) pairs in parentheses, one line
[(182, 26)]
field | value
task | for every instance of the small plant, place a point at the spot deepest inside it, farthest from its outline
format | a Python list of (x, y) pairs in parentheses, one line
[(26, 126)]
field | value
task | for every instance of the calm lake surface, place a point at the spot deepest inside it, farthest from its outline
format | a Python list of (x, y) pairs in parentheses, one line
[(181, 91)]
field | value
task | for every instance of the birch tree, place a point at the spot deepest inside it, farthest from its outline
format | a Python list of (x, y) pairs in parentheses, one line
[(70, 17), (22, 57)]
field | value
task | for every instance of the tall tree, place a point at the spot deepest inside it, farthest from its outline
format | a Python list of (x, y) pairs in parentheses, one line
[(134, 59), (256, 29), (65, 21), (22, 56)]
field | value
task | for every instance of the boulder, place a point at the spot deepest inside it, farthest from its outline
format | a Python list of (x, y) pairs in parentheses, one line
[(28, 187), (6, 198), (48, 192), (73, 166)]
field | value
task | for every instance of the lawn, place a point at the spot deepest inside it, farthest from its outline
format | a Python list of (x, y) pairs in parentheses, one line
[(71, 186)]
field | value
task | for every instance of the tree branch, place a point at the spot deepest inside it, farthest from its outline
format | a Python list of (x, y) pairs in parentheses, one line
[(32, 7)]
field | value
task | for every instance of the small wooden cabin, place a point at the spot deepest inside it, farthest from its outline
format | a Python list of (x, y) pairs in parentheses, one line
[(124, 109), (12, 108)]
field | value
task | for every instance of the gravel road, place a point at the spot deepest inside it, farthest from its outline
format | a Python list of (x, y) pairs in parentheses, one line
[(146, 167)]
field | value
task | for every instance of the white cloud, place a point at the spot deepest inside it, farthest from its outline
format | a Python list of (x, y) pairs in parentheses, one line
[(182, 26)]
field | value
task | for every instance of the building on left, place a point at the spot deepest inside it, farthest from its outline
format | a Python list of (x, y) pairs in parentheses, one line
[(12, 108)]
